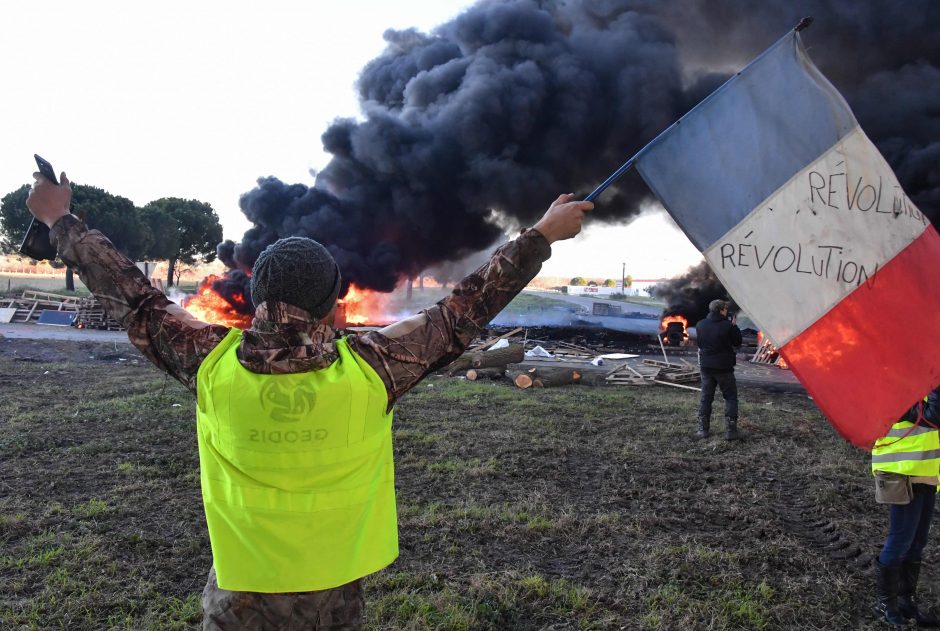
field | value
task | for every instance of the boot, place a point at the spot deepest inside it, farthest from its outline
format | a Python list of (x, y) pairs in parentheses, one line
[(886, 577), (731, 429), (907, 596), (703, 424)]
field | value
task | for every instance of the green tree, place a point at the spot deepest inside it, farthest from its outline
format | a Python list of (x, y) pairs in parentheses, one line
[(14, 219), (628, 281), (184, 231), (579, 281), (610, 282), (115, 216)]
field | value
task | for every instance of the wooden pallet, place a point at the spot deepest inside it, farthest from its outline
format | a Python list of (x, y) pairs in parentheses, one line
[(767, 354), (627, 375), (30, 305), (91, 315), (682, 377), (675, 373)]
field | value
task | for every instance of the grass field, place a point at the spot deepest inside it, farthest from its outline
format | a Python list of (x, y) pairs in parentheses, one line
[(53, 284), (567, 508), (14, 284)]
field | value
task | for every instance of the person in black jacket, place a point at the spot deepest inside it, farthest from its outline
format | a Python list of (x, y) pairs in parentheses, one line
[(718, 338)]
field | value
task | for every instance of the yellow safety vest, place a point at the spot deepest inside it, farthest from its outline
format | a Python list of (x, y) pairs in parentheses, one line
[(914, 452), (296, 472)]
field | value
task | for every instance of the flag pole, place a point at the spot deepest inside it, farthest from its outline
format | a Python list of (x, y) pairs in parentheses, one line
[(626, 166), (613, 178)]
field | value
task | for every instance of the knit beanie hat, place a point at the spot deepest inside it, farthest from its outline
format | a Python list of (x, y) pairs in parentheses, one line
[(297, 271), (715, 306)]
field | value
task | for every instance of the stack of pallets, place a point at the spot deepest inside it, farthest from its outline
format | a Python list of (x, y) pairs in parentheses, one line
[(29, 306), (91, 315)]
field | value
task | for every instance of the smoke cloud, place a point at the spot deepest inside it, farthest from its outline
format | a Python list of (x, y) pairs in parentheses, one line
[(494, 113)]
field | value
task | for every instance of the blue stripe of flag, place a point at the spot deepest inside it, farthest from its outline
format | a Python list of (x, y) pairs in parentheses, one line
[(746, 140)]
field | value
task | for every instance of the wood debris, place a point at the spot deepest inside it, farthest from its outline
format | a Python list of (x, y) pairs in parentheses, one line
[(91, 315), (30, 305)]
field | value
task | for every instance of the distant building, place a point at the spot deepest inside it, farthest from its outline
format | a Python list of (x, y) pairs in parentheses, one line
[(636, 288), (642, 284)]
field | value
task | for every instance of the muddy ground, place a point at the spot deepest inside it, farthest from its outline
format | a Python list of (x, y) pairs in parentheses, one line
[(566, 508)]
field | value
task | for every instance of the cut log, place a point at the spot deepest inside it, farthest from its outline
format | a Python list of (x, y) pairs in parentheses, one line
[(550, 377), (512, 354), (522, 379), (478, 374), (546, 377)]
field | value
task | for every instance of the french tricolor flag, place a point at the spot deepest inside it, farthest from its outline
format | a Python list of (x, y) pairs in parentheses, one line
[(804, 222)]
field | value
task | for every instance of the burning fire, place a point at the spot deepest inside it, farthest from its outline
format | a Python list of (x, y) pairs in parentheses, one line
[(672, 334), (362, 306), (359, 306), (209, 306), (673, 318), (780, 361)]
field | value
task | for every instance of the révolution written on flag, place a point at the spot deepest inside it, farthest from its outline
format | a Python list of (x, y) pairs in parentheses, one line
[(804, 222)]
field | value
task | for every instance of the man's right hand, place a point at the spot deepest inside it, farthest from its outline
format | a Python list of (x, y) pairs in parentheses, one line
[(48, 201), (563, 218)]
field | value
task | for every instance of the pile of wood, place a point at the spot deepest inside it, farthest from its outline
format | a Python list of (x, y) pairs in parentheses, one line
[(568, 352), (655, 371), (569, 364), (91, 315), (29, 306), (767, 354)]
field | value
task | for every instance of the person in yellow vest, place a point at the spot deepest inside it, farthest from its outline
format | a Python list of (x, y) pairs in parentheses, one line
[(293, 422), (906, 464)]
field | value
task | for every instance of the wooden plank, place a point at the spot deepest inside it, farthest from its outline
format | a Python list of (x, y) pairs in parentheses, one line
[(32, 294), (485, 345), (677, 385), (582, 349), (656, 362)]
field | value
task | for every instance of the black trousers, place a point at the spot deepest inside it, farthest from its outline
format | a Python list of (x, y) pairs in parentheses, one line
[(729, 390)]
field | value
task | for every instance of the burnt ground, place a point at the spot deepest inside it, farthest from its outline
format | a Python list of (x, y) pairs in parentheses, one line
[(568, 508)]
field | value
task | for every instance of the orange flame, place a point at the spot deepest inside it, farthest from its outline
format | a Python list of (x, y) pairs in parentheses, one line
[(362, 306), (780, 362), (664, 324), (673, 318), (209, 306)]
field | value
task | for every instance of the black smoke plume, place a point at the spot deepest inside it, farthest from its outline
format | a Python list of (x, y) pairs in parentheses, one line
[(689, 294), (515, 101)]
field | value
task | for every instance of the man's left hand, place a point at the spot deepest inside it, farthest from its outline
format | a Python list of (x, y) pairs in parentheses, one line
[(47, 201)]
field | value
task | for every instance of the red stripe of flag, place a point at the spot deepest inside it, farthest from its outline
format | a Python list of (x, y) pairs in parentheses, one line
[(878, 350)]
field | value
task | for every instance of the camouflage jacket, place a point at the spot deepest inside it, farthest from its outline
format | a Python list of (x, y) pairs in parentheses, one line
[(402, 354)]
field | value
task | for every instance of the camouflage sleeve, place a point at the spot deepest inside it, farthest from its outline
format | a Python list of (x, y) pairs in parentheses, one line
[(404, 353), (163, 331)]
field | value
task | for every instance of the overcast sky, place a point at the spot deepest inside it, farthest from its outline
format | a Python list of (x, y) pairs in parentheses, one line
[(199, 99)]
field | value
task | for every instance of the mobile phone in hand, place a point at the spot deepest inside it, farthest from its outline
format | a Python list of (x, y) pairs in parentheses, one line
[(36, 244), (46, 169)]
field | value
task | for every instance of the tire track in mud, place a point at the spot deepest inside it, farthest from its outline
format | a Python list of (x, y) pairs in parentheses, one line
[(804, 521)]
